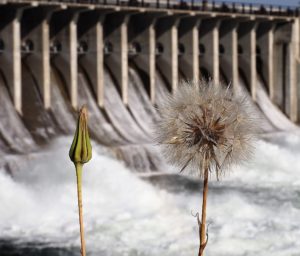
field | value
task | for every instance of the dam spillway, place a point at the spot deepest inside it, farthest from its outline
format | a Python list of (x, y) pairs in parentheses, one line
[(121, 58)]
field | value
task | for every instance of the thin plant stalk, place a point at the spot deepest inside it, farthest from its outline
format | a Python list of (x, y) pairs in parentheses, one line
[(80, 153), (203, 240), (79, 194)]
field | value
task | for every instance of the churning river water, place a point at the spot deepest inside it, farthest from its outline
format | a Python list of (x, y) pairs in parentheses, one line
[(253, 210)]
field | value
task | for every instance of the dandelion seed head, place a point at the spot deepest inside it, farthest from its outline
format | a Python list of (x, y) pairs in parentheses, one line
[(204, 125)]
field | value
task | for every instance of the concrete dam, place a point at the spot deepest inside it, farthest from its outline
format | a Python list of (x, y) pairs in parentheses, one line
[(121, 58)]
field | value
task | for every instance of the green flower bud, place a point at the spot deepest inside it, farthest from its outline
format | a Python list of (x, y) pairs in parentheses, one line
[(81, 149)]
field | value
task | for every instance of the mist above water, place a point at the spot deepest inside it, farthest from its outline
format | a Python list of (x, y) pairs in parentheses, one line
[(253, 211)]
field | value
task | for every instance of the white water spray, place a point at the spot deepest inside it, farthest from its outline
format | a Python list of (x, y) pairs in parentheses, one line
[(254, 210)]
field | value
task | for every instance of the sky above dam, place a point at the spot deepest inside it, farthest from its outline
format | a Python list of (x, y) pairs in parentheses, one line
[(293, 3)]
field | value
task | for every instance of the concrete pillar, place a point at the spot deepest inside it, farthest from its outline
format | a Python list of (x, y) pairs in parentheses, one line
[(297, 66), (10, 61), (167, 38), (152, 68), (229, 56), (99, 64), (253, 77), (174, 56), (265, 44), (235, 63), (195, 43), (286, 76), (281, 37), (16, 59), (271, 60), (39, 36), (46, 63), (293, 65), (247, 60), (124, 61), (73, 61), (215, 43), (91, 29), (116, 33), (189, 45), (142, 34), (64, 33), (209, 38)]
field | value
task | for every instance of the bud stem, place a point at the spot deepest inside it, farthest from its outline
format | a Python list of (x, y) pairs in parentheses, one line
[(79, 193), (202, 227)]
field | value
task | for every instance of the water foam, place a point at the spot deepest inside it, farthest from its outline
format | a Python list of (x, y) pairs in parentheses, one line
[(254, 210)]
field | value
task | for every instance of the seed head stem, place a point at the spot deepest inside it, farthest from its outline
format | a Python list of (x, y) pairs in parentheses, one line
[(205, 127), (203, 239), (79, 193)]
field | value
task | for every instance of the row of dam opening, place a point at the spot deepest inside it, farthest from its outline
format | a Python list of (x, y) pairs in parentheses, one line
[(122, 64), (126, 130)]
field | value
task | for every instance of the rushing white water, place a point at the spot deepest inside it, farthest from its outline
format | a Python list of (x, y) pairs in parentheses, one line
[(102, 130), (62, 111), (272, 112), (140, 105), (13, 131), (118, 114), (253, 211)]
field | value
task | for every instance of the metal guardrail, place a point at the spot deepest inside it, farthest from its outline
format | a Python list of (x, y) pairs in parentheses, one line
[(196, 5)]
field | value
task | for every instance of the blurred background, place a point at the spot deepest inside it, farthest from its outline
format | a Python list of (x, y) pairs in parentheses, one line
[(121, 59)]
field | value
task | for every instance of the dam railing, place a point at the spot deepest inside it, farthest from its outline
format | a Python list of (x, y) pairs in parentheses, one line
[(194, 5)]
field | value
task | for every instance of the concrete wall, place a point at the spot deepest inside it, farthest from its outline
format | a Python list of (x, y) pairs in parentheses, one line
[(177, 43)]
